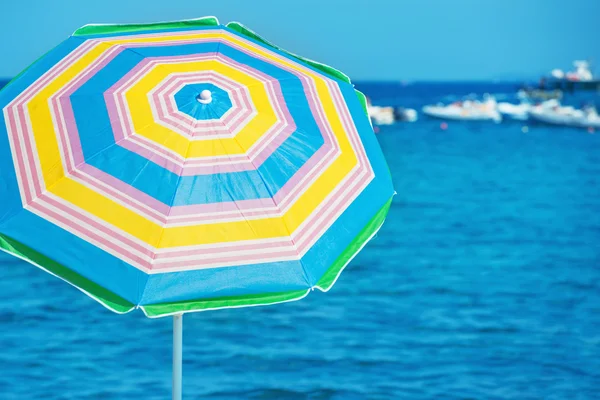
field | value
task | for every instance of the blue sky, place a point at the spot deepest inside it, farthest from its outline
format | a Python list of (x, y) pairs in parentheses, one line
[(367, 39)]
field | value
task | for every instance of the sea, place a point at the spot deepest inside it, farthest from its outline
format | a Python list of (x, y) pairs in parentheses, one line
[(484, 283)]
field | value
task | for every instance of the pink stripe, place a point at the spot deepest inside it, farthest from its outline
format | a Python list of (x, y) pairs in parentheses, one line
[(231, 260), (175, 167), (27, 190), (37, 186), (227, 248), (221, 207), (66, 137), (113, 233), (112, 100), (91, 171), (50, 75), (173, 112), (80, 231)]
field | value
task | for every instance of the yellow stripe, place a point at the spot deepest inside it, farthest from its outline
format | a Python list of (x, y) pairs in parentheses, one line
[(144, 124), (147, 231), (41, 120)]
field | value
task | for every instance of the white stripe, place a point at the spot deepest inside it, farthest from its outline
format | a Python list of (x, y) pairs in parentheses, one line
[(13, 153), (98, 221)]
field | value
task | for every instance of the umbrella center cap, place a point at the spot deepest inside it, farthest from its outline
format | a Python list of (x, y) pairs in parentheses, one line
[(204, 97)]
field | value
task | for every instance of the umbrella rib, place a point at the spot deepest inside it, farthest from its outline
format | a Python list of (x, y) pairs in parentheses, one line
[(285, 225), (226, 187)]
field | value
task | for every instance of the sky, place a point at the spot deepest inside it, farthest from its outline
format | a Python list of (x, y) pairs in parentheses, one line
[(399, 40)]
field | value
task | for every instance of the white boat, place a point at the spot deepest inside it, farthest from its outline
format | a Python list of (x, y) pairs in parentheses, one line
[(406, 114), (566, 116), (390, 115), (468, 110), (582, 72), (381, 115), (518, 112)]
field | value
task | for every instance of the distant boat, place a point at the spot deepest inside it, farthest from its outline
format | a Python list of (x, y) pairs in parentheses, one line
[(468, 110), (406, 114), (522, 111), (579, 79), (390, 115), (566, 116), (518, 112), (381, 115), (582, 73)]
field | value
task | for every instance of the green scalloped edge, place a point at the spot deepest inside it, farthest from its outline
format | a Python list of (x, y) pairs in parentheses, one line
[(20, 74), (245, 31), (363, 102), (100, 29), (103, 296)]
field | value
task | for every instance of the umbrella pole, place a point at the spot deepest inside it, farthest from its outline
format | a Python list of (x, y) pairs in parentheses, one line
[(177, 354)]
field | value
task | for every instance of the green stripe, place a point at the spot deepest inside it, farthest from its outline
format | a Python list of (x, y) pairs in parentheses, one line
[(363, 102), (328, 279), (27, 69), (125, 28), (325, 283), (241, 29), (157, 310), (104, 296)]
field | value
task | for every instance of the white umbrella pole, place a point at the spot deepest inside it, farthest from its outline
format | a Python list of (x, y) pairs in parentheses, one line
[(177, 355)]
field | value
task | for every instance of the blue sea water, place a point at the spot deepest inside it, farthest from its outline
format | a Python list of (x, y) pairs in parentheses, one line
[(484, 283)]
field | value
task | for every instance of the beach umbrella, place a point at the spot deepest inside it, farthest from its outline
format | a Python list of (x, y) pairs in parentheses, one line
[(187, 166)]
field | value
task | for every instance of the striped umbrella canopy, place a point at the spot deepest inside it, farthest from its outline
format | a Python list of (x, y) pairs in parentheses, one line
[(187, 166)]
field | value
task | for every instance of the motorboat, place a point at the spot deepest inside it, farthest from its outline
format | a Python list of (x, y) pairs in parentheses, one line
[(582, 73), (468, 110), (381, 115), (519, 112), (406, 114), (566, 116), (390, 115)]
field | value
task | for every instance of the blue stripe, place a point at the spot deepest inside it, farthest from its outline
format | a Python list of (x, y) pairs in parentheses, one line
[(99, 150)]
